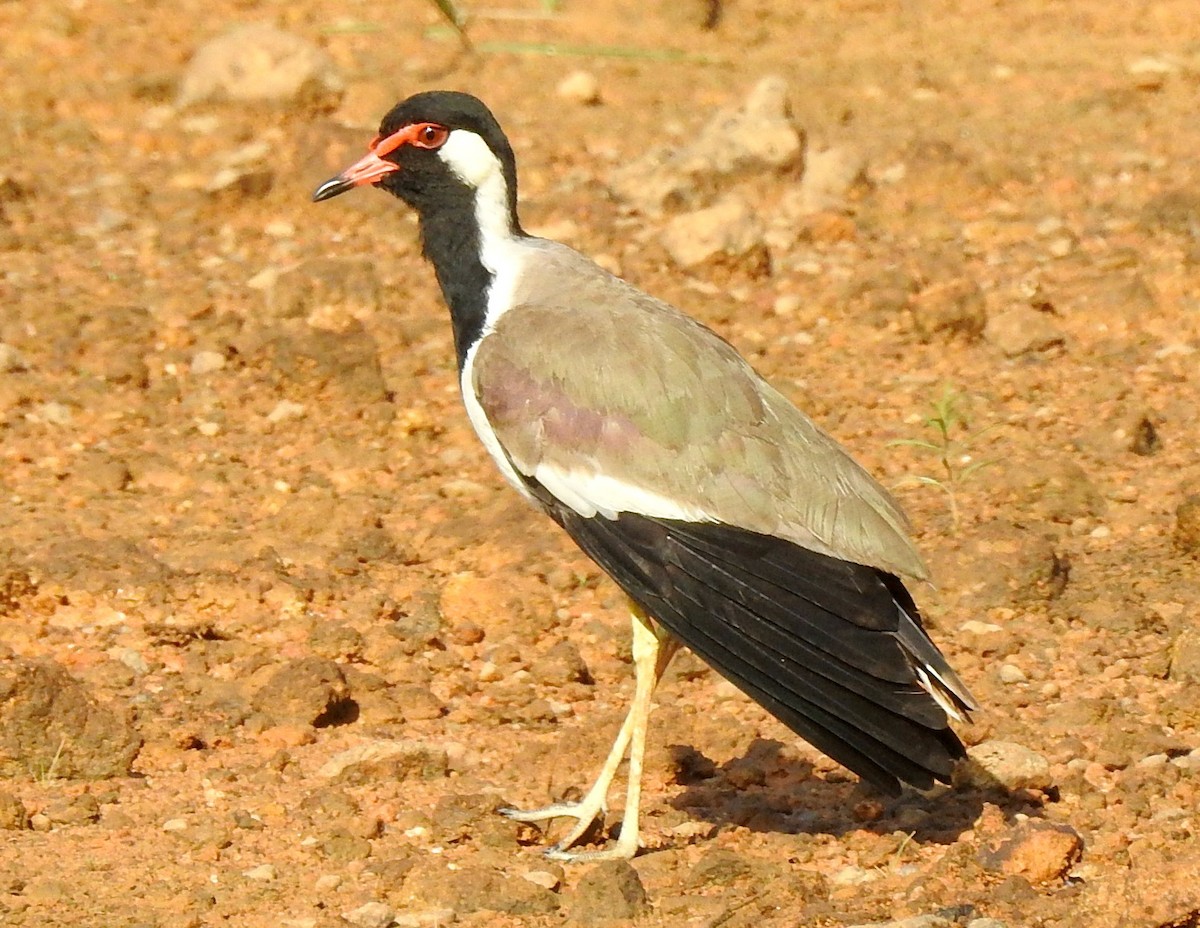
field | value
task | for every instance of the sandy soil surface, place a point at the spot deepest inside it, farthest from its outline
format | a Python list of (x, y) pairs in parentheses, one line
[(275, 640)]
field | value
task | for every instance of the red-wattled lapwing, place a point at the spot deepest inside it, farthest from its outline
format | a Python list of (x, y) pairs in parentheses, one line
[(734, 525)]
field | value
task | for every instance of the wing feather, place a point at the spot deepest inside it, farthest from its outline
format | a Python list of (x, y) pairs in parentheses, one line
[(640, 408)]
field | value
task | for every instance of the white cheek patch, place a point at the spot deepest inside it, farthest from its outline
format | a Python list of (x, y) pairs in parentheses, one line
[(469, 157), (476, 165)]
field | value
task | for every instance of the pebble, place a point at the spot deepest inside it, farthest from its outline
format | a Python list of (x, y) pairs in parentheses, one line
[(610, 890), (949, 308), (284, 410), (11, 359), (52, 414), (1022, 330), (544, 878), (13, 815), (425, 918), (729, 227), (371, 915), (205, 362), (264, 873), (1011, 765), (580, 87), (1187, 525), (829, 175), (1011, 673), (1185, 656)]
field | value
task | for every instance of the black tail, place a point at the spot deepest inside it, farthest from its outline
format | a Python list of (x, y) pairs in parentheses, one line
[(834, 650)]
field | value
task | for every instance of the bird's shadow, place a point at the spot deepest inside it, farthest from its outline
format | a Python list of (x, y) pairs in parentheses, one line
[(768, 789)]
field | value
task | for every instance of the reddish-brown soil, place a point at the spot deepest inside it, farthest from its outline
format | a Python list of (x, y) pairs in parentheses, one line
[(245, 526)]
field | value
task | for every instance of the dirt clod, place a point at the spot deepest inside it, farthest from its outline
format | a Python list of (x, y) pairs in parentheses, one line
[(610, 890), (1187, 525), (51, 726), (309, 691)]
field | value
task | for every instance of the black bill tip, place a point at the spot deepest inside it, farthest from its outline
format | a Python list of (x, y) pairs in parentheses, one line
[(332, 188)]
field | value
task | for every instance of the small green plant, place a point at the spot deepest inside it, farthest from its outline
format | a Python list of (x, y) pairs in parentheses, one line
[(952, 445), (49, 774)]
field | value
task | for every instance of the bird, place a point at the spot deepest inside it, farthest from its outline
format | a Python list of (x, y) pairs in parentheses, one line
[(733, 524)]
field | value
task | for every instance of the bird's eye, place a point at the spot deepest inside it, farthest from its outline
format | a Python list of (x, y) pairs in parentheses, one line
[(431, 135)]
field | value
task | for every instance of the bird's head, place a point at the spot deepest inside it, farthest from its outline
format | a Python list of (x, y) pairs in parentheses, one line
[(432, 147)]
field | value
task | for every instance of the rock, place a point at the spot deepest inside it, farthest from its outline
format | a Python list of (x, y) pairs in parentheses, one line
[(308, 691), (318, 359), (371, 915), (263, 873), (1175, 210), (285, 410), (721, 867), (383, 761), (206, 362), (426, 918), (949, 308), (1022, 330), (1038, 851), (560, 666), (13, 815), (610, 890), (51, 726), (1144, 440), (727, 229), (1158, 890), (329, 291), (113, 343), (11, 359), (476, 817), (83, 809), (257, 62), (340, 846), (829, 176), (579, 87), (474, 888), (101, 471), (1185, 656), (1187, 525), (1006, 764), (1011, 673), (1055, 489), (759, 136)]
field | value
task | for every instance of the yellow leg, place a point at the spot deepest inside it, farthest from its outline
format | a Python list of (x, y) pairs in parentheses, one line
[(652, 651)]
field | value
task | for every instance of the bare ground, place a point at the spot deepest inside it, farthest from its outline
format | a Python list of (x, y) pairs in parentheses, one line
[(245, 528)]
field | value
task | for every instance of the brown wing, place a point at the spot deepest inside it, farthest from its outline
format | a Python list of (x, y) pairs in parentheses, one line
[(641, 409)]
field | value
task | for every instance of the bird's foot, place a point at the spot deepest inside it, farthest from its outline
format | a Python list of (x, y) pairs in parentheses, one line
[(620, 849), (586, 813), (583, 811)]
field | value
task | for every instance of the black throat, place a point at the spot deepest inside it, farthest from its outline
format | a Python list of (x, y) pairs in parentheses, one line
[(451, 241)]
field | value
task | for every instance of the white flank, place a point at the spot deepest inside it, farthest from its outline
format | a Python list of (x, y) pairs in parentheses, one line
[(591, 494), (483, 428)]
